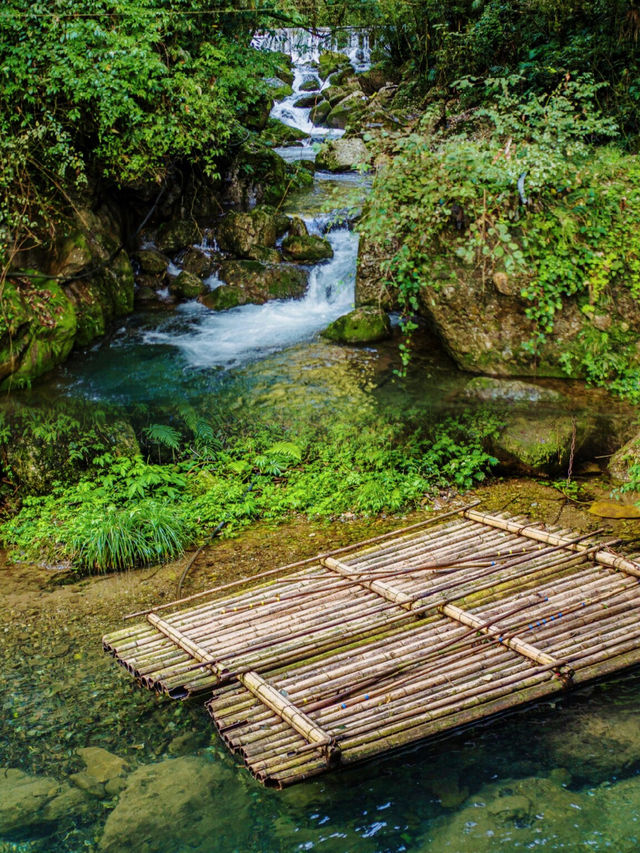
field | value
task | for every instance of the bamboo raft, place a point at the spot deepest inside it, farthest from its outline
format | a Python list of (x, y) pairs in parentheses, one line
[(411, 635)]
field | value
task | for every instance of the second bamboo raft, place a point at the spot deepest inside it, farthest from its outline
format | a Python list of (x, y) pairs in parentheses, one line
[(424, 631)]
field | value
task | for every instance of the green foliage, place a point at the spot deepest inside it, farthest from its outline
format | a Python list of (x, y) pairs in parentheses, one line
[(452, 206), (122, 89), (133, 512)]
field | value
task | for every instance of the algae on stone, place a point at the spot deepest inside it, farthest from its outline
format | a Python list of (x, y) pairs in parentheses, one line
[(361, 326)]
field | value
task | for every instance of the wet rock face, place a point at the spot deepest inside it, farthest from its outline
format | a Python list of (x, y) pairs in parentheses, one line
[(152, 261), (330, 61), (362, 326), (341, 155), (37, 329), (187, 285), (257, 175), (160, 800)]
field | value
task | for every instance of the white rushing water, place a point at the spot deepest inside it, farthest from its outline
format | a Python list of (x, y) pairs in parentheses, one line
[(305, 49), (233, 337)]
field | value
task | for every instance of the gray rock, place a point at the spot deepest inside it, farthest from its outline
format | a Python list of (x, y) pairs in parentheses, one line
[(297, 228), (162, 801), (341, 155)]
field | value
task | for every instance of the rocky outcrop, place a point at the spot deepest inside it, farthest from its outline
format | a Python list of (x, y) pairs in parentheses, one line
[(256, 175), (187, 286), (177, 234), (330, 61), (256, 283), (347, 111), (362, 326), (277, 133), (541, 443), (625, 463), (342, 155), (160, 800)]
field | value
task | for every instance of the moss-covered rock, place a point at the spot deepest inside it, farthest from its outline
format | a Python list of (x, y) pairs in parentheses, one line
[(101, 298), (197, 262), (277, 133), (330, 61), (239, 232), (298, 228), (223, 297), (341, 155), (37, 329), (284, 66), (278, 89), (318, 114), (187, 285), (260, 282), (256, 283), (152, 261), (626, 460), (256, 116), (310, 85), (361, 326), (348, 111), (540, 444), (177, 234), (377, 77), (307, 248), (307, 101)]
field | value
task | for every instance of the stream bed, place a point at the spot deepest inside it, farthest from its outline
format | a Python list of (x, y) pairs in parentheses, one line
[(560, 776)]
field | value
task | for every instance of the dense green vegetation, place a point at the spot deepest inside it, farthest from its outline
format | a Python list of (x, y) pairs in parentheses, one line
[(116, 93), (135, 511)]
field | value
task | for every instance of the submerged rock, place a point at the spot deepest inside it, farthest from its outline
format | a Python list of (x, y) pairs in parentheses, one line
[(342, 155), (362, 326), (490, 389), (32, 806), (307, 248), (164, 802)]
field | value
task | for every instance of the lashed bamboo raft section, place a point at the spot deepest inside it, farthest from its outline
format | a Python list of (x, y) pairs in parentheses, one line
[(421, 632)]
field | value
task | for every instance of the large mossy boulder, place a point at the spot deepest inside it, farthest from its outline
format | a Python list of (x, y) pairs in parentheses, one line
[(197, 262), (343, 155), (254, 282), (540, 443), (277, 133), (361, 326), (152, 262), (38, 327), (187, 285), (306, 248), (319, 113), (239, 233), (348, 111), (193, 794), (331, 61)]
